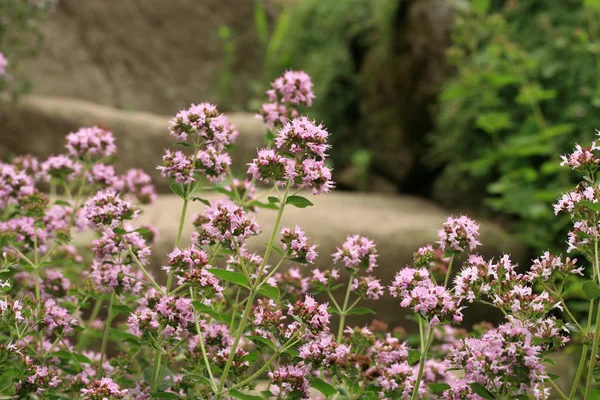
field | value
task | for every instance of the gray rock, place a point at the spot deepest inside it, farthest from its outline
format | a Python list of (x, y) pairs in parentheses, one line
[(38, 125), (151, 55)]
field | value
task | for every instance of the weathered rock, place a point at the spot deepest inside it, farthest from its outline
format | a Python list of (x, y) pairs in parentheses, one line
[(399, 225), (151, 55), (38, 125)]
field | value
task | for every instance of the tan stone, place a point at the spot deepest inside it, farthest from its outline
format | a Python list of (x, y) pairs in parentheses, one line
[(38, 125)]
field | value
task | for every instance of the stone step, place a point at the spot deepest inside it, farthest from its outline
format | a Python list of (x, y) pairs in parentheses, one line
[(399, 225), (38, 125)]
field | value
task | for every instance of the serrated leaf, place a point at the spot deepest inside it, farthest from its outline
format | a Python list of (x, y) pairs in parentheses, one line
[(480, 390), (262, 340), (298, 201), (230, 276), (591, 290), (239, 395), (323, 387), (360, 311), (438, 388), (269, 291)]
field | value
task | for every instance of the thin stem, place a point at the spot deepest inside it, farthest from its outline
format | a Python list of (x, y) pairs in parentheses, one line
[(449, 272), (105, 337), (137, 261), (593, 355), (202, 348), (579, 373), (335, 303), (156, 372), (179, 232), (557, 389), (344, 309), (424, 350)]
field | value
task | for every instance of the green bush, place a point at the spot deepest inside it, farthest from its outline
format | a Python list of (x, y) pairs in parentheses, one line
[(20, 37), (526, 86)]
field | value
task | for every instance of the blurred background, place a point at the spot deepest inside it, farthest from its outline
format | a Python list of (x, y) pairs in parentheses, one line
[(435, 107)]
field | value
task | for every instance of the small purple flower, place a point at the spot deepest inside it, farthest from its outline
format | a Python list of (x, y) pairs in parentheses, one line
[(107, 208), (178, 166), (296, 243), (303, 136), (357, 253), (60, 167), (204, 122), (270, 166), (459, 234), (92, 143), (314, 174)]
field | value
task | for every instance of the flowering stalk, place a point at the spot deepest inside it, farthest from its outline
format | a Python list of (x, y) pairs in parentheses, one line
[(449, 272), (425, 343), (596, 340), (344, 309), (253, 290), (109, 318)]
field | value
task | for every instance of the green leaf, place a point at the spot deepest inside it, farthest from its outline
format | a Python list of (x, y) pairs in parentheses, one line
[(261, 340), (479, 389), (120, 336), (239, 395), (558, 130), (492, 122), (590, 205), (267, 393), (298, 201), (119, 231), (595, 394), (323, 387), (553, 376), (438, 388), (360, 311), (273, 200), (77, 356), (269, 291), (230, 276), (591, 290), (177, 189), (62, 203), (203, 308), (413, 356), (120, 309), (201, 200), (260, 204)]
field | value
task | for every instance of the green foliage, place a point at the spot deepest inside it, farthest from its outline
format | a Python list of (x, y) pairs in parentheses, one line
[(526, 87), (20, 38), (328, 39)]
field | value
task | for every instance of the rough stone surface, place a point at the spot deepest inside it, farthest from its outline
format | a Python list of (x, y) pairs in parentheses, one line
[(38, 125), (398, 225), (151, 55)]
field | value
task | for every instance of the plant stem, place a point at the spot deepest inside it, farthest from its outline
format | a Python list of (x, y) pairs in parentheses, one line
[(156, 372), (344, 309), (253, 290), (424, 350), (137, 261), (557, 389), (202, 348), (449, 272), (105, 337), (580, 369), (179, 232), (593, 355)]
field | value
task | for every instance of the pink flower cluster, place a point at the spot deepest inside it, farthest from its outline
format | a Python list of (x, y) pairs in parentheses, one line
[(169, 316), (13, 184), (290, 382), (107, 208), (323, 351), (189, 265), (302, 136), (582, 158), (418, 292), (287, 92), (367, 287), (203, 122), (459, 234), (358, 253), (92, 143), (227, 223), (103, 389), (314, 316), (296, 244), (3, 65)]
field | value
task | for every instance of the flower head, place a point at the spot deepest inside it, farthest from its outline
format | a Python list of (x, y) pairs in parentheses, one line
[(295, 242), (107, 208), (203, 121), (357, 253), (302, 136), (92, 143), (459, 234)]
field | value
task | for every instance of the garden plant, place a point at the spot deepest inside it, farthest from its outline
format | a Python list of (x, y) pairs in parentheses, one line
[(97, 320)]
